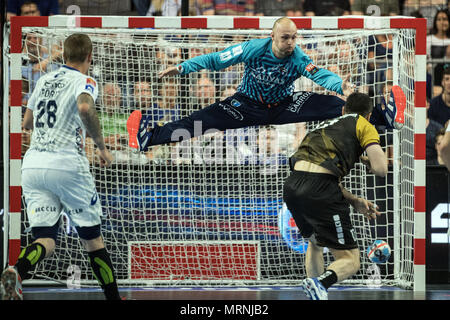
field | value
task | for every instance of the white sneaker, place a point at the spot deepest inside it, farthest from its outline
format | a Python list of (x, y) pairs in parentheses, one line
[(314, 289)]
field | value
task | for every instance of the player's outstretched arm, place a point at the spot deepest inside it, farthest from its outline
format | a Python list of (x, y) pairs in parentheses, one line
[(171, 71), (377, 160), (210, 61), (88, 115)]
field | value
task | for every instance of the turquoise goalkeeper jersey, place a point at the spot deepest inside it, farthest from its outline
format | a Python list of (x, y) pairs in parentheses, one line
[(266, 79)]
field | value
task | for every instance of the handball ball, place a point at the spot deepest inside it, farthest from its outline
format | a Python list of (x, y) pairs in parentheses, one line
[(379, 251)]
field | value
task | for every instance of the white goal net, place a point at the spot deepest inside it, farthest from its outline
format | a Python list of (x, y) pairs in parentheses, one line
[(209, 210)]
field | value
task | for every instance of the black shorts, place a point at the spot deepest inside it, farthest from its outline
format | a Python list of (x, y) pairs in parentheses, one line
[(318, 207)]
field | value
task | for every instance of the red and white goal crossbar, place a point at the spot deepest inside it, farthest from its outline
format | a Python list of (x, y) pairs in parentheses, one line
[(13, 197)]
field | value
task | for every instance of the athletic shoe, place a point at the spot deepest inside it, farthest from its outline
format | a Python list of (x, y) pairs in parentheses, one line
[(138, 134), (397, 105), (11, 284), (314, 289)]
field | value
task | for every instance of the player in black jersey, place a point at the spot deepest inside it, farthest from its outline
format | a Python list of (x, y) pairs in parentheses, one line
[(318, 202)]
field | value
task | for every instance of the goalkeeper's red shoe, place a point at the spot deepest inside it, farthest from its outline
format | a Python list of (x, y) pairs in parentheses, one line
[(138, 132), (11, 284), (133, 124), (397, 104)]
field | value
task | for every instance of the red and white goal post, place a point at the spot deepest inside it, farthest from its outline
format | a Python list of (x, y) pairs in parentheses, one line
[(182, 214)]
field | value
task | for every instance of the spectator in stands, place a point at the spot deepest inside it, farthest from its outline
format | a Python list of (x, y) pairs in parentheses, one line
[(168, 108), (231, 76), (164, 8), (45, 7), (265, 152), (228, 7), (437, 160), (383, 7), (380, 59), (439, 110), (438, 42), (326, 7), (439, 38), (112, 122), (141, 6), (427, 8), (228, 91), (143, 99), (112, 117), (444, 149), (205, 91), (343, 64), (38, 60), (433, 128), (279, 8), (29, 8), (268, 147), (143, 95), (166, 55)]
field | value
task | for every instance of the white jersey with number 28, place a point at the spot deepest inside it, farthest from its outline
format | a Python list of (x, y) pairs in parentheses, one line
[(59, 134)]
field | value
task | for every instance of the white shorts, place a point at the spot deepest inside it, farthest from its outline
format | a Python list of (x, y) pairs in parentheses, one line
[(48, 193)]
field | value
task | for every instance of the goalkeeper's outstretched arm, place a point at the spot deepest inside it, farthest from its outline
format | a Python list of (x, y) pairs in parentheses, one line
[(211, 61)]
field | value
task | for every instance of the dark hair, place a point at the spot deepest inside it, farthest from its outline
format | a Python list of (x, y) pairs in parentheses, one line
[(446, 70), (77, 47), (358, 103), (28, 2), (434, 28), (441, 132)]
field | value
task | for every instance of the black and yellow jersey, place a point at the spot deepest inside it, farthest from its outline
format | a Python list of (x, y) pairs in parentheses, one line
[(336, 144)]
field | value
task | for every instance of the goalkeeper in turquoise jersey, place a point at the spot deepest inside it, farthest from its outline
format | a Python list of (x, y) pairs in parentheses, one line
[(265, 95)]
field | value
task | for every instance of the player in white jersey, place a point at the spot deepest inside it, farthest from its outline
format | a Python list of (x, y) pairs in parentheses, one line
[(55, 170)]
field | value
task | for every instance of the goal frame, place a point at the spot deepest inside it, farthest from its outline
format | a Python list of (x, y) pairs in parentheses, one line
[(12, 128)]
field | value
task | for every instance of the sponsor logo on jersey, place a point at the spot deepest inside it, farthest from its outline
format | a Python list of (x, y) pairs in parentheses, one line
[(232, 112), (268, 76), (54, 84), (75, 211), (91, 81), (94, 199), (44, 209), (90, 84), (311, 68), (298, 100), (228, 54), (235, 103), (79, 140)]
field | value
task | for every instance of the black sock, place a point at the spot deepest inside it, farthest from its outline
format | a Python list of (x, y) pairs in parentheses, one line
[(29, 257), (328, 278), (104, 273)]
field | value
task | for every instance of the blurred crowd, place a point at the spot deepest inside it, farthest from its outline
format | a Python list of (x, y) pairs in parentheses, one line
[(166, 100)]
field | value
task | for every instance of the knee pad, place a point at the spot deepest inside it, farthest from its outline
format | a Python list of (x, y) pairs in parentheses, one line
[(89, 233)]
